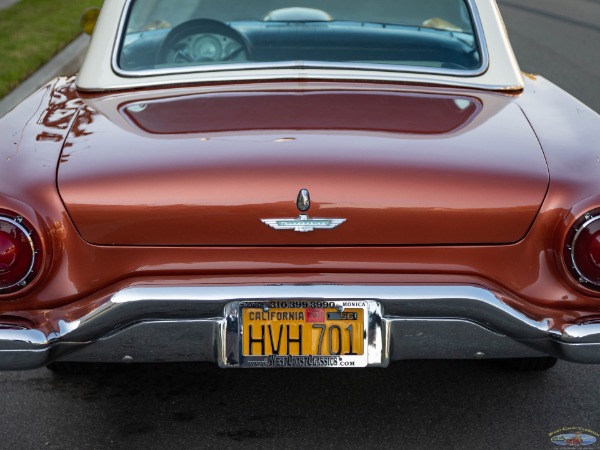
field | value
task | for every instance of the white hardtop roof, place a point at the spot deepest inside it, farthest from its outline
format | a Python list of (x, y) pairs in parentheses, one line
[(98, 72)]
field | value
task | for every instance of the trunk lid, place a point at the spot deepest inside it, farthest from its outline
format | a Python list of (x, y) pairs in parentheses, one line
[(402, 168)]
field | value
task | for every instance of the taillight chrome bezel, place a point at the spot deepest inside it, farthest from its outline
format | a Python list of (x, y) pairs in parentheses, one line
[(586, 223), (32, 243)]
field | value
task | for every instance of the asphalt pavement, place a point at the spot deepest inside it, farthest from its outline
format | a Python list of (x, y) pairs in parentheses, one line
[(559, 39), (411, 405)]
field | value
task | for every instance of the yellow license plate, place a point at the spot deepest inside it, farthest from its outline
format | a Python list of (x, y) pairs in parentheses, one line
[(315, 329)]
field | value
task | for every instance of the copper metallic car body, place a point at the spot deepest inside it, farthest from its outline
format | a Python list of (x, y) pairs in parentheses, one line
[(458, 203)]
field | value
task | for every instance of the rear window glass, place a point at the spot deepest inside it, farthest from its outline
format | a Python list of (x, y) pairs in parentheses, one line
[(186, 35)]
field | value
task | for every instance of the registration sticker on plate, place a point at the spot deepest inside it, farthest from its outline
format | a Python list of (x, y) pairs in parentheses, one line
[(303, 333)]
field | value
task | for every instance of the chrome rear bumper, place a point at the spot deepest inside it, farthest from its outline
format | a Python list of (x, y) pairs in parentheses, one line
[(154, 324)]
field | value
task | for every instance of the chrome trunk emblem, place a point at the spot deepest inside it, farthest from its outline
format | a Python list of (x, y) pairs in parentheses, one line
[(303, 201), (303, 223)]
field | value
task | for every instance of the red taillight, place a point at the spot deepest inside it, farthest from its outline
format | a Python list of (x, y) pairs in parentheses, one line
[(18, 254), (593, 249), (582, 252), (8, 251)]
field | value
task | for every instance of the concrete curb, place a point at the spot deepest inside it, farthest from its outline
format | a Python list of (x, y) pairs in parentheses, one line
[(5, 4), (67, 62)]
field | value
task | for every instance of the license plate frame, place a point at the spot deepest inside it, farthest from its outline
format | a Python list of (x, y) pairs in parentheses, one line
[(373, 349)]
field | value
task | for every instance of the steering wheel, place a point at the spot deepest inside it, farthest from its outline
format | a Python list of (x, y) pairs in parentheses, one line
[(203, 41)]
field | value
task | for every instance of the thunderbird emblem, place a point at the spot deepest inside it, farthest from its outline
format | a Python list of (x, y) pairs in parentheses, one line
[(303, 223)]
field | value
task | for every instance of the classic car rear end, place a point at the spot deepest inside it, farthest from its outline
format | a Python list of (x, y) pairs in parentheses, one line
[(274, 196)]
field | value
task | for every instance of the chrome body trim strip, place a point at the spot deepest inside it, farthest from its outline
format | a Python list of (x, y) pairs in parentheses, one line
[(588, 333), (363, 71), (200, 323), (451, 339)]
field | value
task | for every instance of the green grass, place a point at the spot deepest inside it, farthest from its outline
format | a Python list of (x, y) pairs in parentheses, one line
[(32, 32)]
